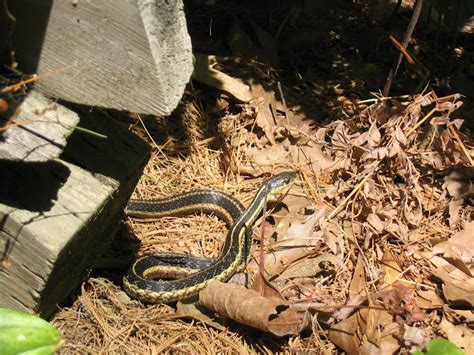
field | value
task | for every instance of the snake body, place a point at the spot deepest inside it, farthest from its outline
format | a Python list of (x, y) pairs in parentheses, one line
[(139, 281)]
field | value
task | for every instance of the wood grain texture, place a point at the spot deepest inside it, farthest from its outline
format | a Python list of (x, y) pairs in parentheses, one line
[(43, 121), (110, 53), (60, 208)]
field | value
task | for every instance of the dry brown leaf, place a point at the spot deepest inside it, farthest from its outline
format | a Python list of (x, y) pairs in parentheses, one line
[(400, 136), (460, 335), (358, 278), (428, 299), (455, 207), (264, 288), (342, 137), (367, 330), (204, 73), (376, 222), (391, 268), (291, 208), (459, 249), (248, 307), (295, 208), (468, 315), (367, 326), (298, 241), (374, 135), (266, 113), (457, 292), (352, 304), (346, 334), (415, 336), (401, 301), (458, 287), (189, 309), (335, 235), (309, 267), (309, 156), (382, 331), (459, 183)]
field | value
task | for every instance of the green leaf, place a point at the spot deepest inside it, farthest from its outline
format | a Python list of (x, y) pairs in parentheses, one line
[(440, 346), (23, 333)]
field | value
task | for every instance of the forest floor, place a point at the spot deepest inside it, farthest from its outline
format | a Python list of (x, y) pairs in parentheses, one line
[(370, 250)]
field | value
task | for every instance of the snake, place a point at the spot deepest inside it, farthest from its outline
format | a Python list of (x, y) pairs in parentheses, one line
[(149, 279)]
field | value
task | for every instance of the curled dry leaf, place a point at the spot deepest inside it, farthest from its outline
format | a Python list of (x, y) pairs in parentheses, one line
[(459, 249), (250, 308), (448, 105), (189, 309), (458, 287), (205, 73), (299, 241), (453, 265)]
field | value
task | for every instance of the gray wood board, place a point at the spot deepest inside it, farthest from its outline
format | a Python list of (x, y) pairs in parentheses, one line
[(44, 135), (59, 213), (132, 55)]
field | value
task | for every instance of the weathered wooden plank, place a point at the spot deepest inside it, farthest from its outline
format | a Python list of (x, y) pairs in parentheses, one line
[(132, 55), (58, 212), (44, 135)]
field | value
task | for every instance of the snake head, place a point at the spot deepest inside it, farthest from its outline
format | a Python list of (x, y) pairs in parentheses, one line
[(279, 182)]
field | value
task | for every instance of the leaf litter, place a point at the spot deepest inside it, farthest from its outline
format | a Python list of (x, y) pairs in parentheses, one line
[(370, 250)]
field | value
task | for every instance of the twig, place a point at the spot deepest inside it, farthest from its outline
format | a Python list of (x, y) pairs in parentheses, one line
[(35, 77), (406, 40), (402, 50), (284, 102), (420, 122), (463, 147)]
